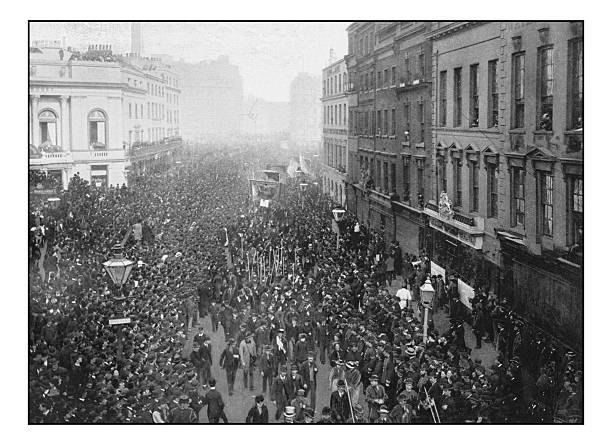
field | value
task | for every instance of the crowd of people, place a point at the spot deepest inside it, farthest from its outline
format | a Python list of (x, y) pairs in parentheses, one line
[(286, 297)]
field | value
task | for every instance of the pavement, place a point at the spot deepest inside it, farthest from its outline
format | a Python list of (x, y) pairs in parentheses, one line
[(238, 404)]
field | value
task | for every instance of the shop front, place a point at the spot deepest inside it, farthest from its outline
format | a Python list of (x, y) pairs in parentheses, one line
[(547, 289), (455, 243)]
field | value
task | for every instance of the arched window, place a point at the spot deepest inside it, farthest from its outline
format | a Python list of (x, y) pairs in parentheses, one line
[(47, 120), (98, 130)]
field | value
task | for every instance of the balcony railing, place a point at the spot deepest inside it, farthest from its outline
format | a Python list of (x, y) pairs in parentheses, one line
[(463, 219), (144, 148), (408, 83)]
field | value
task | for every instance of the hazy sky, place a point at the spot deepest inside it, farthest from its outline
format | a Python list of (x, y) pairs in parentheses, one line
[(269, 55)]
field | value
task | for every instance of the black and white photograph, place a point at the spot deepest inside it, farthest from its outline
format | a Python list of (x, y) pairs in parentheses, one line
[(305, 222)]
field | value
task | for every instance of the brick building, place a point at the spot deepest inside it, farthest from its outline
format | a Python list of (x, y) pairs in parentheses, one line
[(334, 149), (389, 67), (490, 113), (508, 151)]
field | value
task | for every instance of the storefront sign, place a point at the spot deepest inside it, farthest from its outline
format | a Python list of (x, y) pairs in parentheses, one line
[(466, 294)]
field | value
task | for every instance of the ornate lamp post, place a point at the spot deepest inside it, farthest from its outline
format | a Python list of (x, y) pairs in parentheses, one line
[(338, 216), (118, 269), (303, 187), (427, 294)]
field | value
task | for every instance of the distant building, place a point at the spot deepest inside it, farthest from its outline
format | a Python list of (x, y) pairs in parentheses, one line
[(99, 114), (334, 149), (212, 98), (260, 117), (137, 39), (305, 113)]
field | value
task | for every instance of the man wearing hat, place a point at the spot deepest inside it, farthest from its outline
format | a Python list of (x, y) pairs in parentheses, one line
[(375, 396), (183, 413), (215, 404), (353, 381), (300, 350), (296, 380), (308, 414), (267, 368), (336, 373), (230, 360), (279, 346), (402, 412), (383, 415), (248, 358), (280, 392), (308, 371), (339, 403), (300, 402), (259, 412)]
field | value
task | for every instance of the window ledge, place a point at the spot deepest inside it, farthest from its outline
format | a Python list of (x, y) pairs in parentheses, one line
[(544, 132), (517, 131), (573, 132)]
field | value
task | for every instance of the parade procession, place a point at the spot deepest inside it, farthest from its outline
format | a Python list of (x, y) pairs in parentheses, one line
[(239, 303), (199, 256)]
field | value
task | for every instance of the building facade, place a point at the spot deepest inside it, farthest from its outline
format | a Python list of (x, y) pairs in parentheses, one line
[(389, 66), (466, 142), (305, 113), (211, 99), (97, 114), (334, 149), (508, 152)]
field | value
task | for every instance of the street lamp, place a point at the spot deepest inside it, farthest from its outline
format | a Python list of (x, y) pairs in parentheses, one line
[(118, 268), (338, 216), (427, 294)]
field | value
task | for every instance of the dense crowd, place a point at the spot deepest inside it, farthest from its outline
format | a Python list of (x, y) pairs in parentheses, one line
[(320, 303)]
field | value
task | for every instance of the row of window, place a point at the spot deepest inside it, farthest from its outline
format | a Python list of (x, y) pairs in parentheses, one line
[(473, 117), (388, 77), (383, 122), (334, 189), (544, 91), (96, 125), (363, 45), (335, 114), (383, 174), (334, 85), (155, 111), (334, 155)]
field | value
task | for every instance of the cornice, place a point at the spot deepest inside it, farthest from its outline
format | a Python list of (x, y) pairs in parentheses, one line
[(452, 28)]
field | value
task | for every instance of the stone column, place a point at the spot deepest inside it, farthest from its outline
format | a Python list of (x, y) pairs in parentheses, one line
[(35, 128), (65, 122)]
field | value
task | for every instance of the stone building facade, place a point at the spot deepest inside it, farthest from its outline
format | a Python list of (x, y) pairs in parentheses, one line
[(333, 157), (488, 115)]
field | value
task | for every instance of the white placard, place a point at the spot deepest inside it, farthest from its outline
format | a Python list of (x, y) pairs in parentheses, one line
[(437, 270), (466, 293), (264, 202), (115, 321)]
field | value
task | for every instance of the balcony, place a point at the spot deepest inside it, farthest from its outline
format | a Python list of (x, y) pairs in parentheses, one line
[(142, 150), (411, 83), (48, 154), (467, 229)]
